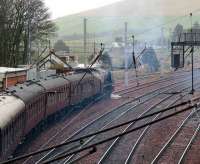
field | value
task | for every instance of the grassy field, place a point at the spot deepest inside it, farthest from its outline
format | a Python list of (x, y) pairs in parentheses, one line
[(107, 27), (103, 29)]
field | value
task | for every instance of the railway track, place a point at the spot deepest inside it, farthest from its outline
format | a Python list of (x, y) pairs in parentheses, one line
[(73, 123), (174, 137), (50, 154), (147, 84), (65, 123), (118, 146), (179, 143), (132, 155), (151, 76), (142, 79), (191, 152)]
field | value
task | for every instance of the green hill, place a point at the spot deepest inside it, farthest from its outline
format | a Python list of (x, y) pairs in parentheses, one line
[(145, 19)]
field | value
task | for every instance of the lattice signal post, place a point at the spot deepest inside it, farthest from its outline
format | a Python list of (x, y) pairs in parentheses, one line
[(182, 47)]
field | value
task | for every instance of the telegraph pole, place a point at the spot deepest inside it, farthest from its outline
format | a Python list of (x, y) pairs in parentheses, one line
[(192, 57), (94, 45), (134, 59), (125, 33), (126, 53), (85, 39), (29, 36)]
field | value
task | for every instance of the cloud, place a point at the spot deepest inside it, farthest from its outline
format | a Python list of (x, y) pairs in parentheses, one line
[(59, 8)]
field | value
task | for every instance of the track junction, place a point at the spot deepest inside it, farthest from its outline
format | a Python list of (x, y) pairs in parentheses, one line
[(173, 140)]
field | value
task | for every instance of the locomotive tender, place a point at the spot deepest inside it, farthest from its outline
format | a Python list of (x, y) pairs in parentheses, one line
[(24, 106)]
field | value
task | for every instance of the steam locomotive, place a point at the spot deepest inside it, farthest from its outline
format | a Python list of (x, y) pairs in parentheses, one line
[(24, 106)]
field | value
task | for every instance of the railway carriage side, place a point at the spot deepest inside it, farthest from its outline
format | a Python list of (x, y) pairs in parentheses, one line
[(34, 98), (99, 82), (57, 94), (86, 87), (75, 89), (12, 122), (35, 112), (83, 88)]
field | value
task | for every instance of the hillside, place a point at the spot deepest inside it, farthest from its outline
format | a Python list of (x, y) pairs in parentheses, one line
[(141, 15), (146, 8)]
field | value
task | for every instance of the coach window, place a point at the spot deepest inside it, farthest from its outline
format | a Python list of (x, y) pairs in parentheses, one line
[(74, 90), (29, 107), (57, 95), (9, 135), (63, 93), (78, 89), (0, 142), (54, 98), (36, 109), (3, 140), (38, 105), (31, 112), (33, 109), (14, 133), (82, 88), (68, 90), (49, 99), (6, 139), (20, 121), (41, 100), (60, 94)]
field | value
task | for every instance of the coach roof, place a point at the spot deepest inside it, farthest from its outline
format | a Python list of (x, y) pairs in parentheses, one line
[(10, 108), (26, 91)]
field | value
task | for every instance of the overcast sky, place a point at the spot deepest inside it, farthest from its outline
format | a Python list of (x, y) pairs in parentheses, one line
[(59, 8)]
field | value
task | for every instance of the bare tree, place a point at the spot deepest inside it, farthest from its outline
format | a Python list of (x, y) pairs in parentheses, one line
[(18, 18)]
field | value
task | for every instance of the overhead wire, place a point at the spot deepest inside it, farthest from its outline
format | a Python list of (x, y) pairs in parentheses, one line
[(150, 123), (121, 134), (93, 62), (44, 150), (99, 132)]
